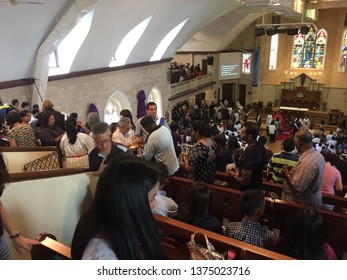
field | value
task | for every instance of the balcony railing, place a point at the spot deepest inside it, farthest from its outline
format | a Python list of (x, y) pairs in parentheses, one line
[(191, 84)]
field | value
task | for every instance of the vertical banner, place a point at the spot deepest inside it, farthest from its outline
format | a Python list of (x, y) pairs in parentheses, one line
[(256, 66)]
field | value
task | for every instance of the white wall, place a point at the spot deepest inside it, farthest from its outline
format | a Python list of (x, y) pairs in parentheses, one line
[(52, 205)]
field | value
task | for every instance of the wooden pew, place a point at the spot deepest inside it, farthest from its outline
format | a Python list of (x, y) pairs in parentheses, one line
[(284, 214), (270, 188), (279, 214), (50, 249), (225, 201), (176, 234)]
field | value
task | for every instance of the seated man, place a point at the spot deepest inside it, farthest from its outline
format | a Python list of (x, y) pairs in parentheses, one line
[(164, 205), (105, 150), (249, 229)]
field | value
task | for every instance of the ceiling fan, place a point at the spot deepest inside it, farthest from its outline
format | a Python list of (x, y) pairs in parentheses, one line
[(16, 2)]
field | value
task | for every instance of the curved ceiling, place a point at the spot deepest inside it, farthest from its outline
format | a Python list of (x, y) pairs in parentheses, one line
[(29, 31)]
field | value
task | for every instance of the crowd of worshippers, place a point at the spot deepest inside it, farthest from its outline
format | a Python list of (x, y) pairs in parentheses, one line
[(182, 72), (222, 138)]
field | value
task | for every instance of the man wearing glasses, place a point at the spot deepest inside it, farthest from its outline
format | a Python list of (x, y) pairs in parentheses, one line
[(105, 150)]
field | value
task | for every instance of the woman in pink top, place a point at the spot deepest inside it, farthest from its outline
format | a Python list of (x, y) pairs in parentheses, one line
[(332, 180)]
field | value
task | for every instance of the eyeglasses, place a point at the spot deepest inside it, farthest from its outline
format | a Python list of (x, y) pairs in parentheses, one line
[(103, 143)]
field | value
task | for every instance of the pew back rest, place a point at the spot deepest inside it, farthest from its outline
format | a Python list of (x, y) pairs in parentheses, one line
[(336, 223), (271, 188), (225, 202), (178, 233), (50, 249), (16, 158)]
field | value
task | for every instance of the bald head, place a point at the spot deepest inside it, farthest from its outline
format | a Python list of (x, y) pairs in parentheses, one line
[(303, 140)]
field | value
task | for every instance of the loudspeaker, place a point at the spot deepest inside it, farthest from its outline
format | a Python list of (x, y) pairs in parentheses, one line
[(259, 31), (271, 31), (304, 30), (210, 60), (292, 31), (281, 30)]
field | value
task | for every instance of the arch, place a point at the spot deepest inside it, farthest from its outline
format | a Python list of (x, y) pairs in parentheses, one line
[(115, 103), (156, 96)]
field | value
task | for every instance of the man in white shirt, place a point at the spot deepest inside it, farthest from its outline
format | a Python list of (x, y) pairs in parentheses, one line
[(124, 133), (159, 145), (151, 110)]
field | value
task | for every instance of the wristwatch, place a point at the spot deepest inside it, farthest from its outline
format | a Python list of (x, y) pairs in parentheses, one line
[(16, 235)]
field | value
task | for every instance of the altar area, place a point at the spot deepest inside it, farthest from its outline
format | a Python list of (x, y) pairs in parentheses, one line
[(302, 96)]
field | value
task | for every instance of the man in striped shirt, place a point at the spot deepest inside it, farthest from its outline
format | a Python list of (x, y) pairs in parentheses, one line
[(285, 157)]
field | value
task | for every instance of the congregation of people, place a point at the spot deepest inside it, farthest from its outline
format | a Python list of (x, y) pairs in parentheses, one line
[(201, 139)]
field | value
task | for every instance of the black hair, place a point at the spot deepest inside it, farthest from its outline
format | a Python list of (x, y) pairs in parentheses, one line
[(288, 144), (199, 202), (23, 113), (24, 104), (147, 122), (262, 140), (121, 211), (74, 115), (71, 130), (4, 177), (306, 239), (203, 128), (150, 104), (13, 117), (252, 201), (44, 119), (252, 129), (173, 126), (14, 101)]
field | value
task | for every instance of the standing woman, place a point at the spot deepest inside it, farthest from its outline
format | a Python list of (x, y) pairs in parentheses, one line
[(201, 159), (120, 224), (20, 135), (75, 146), (50, 134), (19, 242)]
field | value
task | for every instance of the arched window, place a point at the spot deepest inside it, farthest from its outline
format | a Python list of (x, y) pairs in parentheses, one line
[(61, 59), (116, 103), (343, 55), (273, 52), (309, 50), (155, 96), (128, 43)]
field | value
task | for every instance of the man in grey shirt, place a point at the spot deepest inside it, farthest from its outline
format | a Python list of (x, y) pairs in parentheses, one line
[(159, 145)]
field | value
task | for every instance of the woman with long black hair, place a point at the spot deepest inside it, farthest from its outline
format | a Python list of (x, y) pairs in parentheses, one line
[(120, 223), (75, 146)]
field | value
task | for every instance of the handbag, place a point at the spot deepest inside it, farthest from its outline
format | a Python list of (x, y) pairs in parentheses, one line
[(201, 252)]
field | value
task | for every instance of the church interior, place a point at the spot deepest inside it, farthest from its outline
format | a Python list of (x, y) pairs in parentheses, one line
[(291, 58)]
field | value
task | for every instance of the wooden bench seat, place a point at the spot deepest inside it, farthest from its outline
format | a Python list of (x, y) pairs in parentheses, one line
[(177, 233), (279, 214), (50, 249), (339, 203)]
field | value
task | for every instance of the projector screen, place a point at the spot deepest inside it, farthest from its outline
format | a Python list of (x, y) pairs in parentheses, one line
[(230, 65)]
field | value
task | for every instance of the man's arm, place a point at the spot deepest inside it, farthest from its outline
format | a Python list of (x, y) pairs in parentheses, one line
[(245, 177), (148, 151)]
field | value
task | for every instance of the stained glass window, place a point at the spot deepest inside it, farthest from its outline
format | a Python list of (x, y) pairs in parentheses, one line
[(343, 56), (246, 63), (273, 52), (309, 50)]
